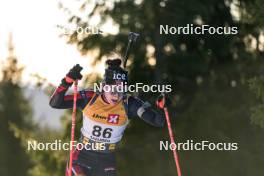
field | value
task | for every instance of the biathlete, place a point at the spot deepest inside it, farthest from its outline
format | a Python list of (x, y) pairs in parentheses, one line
[(105, 117)]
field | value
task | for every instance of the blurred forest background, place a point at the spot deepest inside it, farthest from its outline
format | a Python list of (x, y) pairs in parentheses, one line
[(218, 89)]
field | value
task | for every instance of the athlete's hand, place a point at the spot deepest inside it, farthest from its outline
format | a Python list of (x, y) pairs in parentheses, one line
[(74, 74), (163, 101)]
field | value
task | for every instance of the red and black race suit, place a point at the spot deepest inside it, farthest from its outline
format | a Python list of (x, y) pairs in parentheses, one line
[(108, 126)]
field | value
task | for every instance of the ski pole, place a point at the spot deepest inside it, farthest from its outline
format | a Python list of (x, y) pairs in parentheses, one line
[(75, 92), (175, 155), (132, 37)]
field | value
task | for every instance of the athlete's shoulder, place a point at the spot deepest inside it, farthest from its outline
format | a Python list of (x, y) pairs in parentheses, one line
[(132, 98), (87, 93), (134, 102)]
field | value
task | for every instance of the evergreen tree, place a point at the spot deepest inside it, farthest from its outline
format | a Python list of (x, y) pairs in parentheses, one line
[(14, 111)]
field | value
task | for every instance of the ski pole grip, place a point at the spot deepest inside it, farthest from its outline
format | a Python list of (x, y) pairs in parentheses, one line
[(76, 83), (132, 36)]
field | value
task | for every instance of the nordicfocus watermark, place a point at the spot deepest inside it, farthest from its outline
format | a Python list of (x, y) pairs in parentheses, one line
[(59, 145), (124, 87), (198, 146), (67, 30), (190, 29)]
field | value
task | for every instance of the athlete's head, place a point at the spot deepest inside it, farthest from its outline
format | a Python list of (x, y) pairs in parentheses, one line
[(114, 76)]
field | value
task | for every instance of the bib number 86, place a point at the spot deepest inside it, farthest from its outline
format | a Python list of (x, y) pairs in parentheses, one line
[(99, 131)]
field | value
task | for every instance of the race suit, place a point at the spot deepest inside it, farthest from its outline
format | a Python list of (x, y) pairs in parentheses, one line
[(103, 123)]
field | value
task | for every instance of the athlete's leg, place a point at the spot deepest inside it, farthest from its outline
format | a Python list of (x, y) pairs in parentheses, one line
[(90, 163), (78, 169), (107, 165), (109, 171)]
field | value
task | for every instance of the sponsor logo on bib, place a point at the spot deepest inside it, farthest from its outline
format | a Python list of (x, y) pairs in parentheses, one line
[(113, 118), (98, 116)]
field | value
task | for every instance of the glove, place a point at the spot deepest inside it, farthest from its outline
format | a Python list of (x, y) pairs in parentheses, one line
[(163, 101), (73, 75)]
